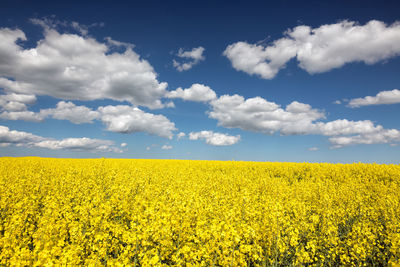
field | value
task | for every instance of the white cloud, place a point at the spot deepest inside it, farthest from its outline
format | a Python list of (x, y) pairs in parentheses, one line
[(76, 67), (256, 59), (346, 127), (82, 29), (19, 138), (8, 136), (383, 136), (166, 147), (124, 144), (51, 22), (88, 144), (63, 111), (20, 98), (318, 49), (14, 106), (337, 102), (215, 139), (112, 42), (120, 118), (313, 149), (170, 104), (194, 56), (195, 53), (196, 92), (384, 97), (127, 119), (69, 111), (180, 135), (259, 115), (22, 115), (16, 102)]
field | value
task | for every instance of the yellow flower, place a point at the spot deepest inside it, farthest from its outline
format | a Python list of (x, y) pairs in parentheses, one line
[(197, 213)]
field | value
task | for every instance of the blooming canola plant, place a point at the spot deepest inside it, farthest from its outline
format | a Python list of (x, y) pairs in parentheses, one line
[(172, 212)]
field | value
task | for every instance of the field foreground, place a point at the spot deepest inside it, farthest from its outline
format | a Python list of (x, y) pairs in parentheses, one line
[(171, 212)]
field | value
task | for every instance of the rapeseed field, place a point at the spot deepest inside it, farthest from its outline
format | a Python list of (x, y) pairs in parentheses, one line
[(106, 212)]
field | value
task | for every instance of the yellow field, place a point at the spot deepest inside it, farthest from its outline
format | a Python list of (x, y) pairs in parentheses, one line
[(170, 212)]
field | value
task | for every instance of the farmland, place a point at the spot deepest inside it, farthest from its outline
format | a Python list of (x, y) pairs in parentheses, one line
[(172, 212)]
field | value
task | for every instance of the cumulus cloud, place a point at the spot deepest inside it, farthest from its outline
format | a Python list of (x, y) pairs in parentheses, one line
[(215, 139), (319, 49), (170, 104), (8, 136), (346, 127), (16, 102), (63, 111), (384, 97), (166, 147), (22, 115), (76, 67), (259, 60), (195, 53), (196, 92), (69, 111), (14, 106), (124, 144), (20, 138), (127, 119), (383, 136), (180, 135), (120, 118), (88, 144), (20, 98), (259, 115), (193, 57)]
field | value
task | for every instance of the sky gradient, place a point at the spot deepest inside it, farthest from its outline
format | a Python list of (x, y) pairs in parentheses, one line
[(213, 80)]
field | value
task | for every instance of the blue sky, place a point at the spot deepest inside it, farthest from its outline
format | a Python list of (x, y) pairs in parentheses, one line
[(217, 80)]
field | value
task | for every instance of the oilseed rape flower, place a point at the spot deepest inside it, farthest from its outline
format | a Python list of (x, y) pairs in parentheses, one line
[(120, 212)]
